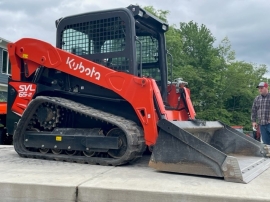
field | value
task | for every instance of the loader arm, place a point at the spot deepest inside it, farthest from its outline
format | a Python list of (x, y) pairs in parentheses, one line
[(36, 53)]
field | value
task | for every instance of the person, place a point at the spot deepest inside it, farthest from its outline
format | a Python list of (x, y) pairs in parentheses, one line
[(260, 113)]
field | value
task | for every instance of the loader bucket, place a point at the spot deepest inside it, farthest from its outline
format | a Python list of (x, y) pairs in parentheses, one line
[(210, 149)]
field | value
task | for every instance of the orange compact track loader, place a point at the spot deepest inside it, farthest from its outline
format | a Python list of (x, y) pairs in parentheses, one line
[(102, 95)]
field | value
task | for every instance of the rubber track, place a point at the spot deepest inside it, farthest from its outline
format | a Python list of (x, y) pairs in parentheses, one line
[(134, 134)]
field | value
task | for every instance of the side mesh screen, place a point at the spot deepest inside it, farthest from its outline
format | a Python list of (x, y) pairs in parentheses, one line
[(98, 37)]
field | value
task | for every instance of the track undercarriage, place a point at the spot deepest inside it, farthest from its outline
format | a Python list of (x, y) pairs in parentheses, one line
[(59, 129)]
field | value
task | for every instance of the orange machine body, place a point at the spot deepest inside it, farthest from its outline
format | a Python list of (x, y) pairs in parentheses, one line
[(138, 91)]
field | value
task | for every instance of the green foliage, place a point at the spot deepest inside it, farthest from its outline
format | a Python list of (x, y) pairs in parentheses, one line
[(197, 45), (161, 14), (222, 88)]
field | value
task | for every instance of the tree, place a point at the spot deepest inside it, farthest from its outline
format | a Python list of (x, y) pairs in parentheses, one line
[(161, 14), (200, 64), (238, 95), (198, 41)]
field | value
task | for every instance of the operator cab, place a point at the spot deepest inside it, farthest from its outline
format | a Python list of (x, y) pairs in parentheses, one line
[(128, 39)]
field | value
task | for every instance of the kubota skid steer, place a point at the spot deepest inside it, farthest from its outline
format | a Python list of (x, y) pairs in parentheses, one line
[(102, 95)]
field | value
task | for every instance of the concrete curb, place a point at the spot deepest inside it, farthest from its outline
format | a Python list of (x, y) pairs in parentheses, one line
[(30, 180)]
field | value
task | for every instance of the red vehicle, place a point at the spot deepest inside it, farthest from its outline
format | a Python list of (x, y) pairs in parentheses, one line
[(5, 139), (102, 95), (3, 113)]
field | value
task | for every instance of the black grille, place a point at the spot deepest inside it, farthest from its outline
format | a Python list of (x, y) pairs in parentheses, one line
[(98, 36)]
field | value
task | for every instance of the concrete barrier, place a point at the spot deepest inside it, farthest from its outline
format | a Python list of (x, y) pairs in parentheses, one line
[(23, 179)]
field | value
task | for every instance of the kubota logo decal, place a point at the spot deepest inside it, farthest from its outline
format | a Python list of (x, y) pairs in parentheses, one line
[(26, 90), (91, 72)]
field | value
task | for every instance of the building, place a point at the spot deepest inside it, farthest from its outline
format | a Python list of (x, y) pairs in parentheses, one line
[(5, 68)]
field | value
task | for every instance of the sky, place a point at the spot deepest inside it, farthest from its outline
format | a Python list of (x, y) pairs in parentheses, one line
[(244, 22)]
